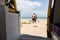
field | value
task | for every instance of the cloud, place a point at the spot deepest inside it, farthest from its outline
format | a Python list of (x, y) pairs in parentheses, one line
[(27, 8), (27, 5)]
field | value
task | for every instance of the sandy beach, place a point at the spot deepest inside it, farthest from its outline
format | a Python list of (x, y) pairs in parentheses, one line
[(36, 29)]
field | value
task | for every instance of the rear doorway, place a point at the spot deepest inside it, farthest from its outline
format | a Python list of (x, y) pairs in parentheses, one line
[(28, 8)]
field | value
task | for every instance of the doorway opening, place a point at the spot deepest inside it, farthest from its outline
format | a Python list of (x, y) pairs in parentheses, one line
[(27, 8)]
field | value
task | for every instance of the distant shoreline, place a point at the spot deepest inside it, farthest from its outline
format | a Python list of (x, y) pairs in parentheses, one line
[(30, 17)]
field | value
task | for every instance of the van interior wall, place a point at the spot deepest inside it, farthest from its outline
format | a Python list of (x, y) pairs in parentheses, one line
[(9, 24), (57, 12)]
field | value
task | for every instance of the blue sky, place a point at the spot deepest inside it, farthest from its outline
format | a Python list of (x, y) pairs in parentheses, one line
[(28, 7)]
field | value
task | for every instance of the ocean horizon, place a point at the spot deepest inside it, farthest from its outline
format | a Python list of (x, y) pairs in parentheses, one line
[(31, 17)]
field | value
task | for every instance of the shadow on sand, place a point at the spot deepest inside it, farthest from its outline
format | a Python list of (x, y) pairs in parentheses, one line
[(31, 37)]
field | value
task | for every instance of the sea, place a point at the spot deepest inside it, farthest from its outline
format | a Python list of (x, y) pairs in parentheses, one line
[(31, 18)]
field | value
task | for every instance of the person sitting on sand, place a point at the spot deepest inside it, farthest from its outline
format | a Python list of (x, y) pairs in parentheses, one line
[(34, 18)]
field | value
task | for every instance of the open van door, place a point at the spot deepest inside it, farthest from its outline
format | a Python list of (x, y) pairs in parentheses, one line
[(48, 20)]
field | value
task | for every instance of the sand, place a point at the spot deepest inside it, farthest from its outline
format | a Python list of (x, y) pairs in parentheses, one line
[(36, 29)]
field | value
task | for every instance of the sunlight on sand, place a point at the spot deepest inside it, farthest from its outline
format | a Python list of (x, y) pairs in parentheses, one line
[(37, 29)]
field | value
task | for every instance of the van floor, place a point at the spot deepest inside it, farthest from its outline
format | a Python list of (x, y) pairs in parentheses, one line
[(30, 37)]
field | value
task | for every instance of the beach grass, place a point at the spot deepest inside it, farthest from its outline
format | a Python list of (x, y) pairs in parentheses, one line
[(38, 21), (29, 22), (24, 22)]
